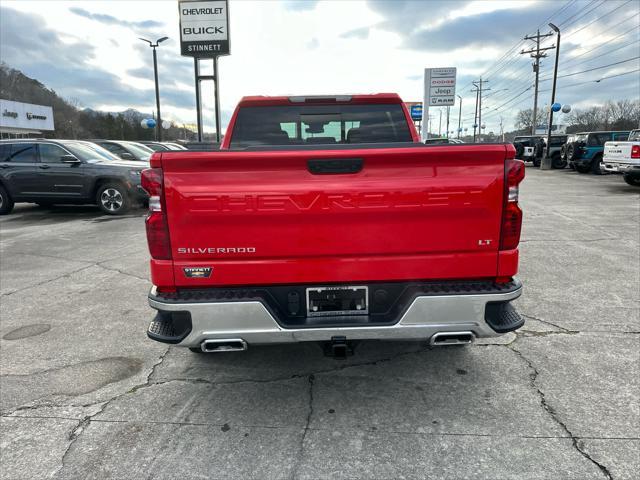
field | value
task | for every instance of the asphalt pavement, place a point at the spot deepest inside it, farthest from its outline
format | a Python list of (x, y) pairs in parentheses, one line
[(84, 393)]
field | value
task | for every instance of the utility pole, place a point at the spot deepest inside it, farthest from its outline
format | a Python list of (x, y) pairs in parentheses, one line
[(447, 121), (536, 53), (459, 116), (546, 163), (478, 120)]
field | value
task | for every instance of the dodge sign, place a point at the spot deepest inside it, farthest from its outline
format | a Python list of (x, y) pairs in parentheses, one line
[(204, 28)]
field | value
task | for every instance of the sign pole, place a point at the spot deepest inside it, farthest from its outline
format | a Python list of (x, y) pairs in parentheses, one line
[(196, 68), (204, 33), (216, 97)]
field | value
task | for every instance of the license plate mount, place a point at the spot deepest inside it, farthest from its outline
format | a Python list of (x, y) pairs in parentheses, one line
[(338, 300)]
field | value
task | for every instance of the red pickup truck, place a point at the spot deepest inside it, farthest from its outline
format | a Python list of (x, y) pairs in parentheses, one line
[(326, 219)]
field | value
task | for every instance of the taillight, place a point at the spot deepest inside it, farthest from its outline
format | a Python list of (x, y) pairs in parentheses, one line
[(635, 151), (511, 213), (156, 222)]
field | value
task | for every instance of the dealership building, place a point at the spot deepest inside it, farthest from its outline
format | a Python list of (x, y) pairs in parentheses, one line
[(19, 119)]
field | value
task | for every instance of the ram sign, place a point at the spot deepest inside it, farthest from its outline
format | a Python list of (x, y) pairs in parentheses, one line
[(204, 28)]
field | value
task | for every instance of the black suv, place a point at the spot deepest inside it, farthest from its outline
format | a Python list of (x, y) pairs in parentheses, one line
[(47, 172)]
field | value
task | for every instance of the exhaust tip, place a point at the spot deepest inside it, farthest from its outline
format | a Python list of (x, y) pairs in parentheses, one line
[(451, 338), (223, 345)]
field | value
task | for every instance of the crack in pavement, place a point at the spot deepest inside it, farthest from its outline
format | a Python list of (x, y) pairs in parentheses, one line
[(77, 431), (117, 270), (546, 322), (347, 428), (543, 401), (73, 272), (44, 282), (284, 377), (294, 471)]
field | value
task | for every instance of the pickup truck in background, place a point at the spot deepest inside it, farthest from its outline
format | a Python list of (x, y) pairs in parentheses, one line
[(326, 219), (624, 157)]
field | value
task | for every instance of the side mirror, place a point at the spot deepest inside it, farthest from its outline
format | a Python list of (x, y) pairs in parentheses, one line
[(127, 156), (69, 159)]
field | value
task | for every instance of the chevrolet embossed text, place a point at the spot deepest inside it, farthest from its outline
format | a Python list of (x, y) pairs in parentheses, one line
[(339, 201)]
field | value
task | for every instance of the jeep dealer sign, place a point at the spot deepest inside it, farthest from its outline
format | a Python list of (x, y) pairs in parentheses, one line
[(439, 91), (204, 28)]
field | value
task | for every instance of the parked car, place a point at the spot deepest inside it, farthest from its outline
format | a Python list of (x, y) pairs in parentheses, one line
[(162, 146), (585, 153), (126, 150), (557, 144), (439, 141), (624, 157), (327, 219), (176, 146), (526, 146), (47, 172)]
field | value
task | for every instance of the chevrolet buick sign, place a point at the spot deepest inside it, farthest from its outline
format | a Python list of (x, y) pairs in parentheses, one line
[(204, 28)]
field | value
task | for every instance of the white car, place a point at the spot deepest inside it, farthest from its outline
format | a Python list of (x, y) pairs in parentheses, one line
[(624, 157)]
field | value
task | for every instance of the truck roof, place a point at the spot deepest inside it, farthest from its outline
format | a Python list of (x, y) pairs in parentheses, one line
[(263, 101)]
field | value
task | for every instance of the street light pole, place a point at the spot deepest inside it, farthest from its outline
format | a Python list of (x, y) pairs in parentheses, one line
[(155, 76), (546, 160), (459, 115)]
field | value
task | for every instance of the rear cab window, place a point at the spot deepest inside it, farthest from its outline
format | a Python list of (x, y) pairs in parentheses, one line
[(320, 124)]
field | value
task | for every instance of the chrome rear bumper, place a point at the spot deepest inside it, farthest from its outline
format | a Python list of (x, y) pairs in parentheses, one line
[(252, 322)]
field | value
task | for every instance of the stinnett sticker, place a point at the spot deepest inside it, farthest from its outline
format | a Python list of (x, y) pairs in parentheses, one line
[(197, 272)]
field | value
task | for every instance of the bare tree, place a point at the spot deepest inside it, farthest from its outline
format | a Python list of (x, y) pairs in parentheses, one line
[(524, 119)]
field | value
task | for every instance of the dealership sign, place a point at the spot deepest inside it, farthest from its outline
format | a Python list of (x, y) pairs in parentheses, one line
[(25, 116), (439, 91), (204, 28), (416, 111)]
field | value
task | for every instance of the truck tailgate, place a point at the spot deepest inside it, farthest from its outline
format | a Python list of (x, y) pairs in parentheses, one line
[(618, 151), (262, 217)]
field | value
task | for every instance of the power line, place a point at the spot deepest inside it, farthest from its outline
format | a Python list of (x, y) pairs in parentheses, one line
[(524, 73), (599, 80), (514, 48), (583, 15), (605, 53), (608, 41), (592, 69), (597, 19)]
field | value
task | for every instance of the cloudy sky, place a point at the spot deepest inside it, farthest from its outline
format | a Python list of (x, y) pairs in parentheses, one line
[(89, 51)]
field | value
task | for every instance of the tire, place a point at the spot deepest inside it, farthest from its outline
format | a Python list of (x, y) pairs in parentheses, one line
[(631, 180), (113, 199), (596, 165), (572, 165), (563, 153), (519, 149), (583, 168), (6, 202), (558, 162), (538, 151)]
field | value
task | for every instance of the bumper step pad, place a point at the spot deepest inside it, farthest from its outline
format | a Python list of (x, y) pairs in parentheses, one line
[(170, 327), (503, 317)]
